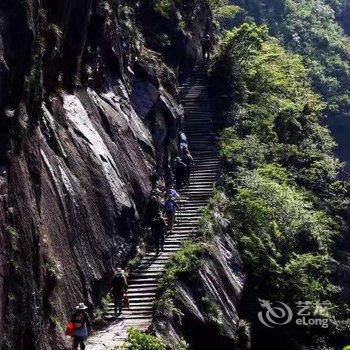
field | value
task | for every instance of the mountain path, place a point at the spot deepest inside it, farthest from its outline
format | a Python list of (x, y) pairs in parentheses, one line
[(143, 282)]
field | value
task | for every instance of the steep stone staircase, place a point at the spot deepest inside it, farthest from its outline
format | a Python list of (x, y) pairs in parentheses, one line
[(142, 289)]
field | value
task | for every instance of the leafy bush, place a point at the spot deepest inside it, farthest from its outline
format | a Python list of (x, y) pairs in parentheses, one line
[(182, 345), (212, 310), (101, 311), (163, 7), (184, 262), (54, 269), (11, 230), (142, 341)]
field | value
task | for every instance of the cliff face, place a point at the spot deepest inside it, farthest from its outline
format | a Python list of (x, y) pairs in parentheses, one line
[(87, 117), (204, 307)]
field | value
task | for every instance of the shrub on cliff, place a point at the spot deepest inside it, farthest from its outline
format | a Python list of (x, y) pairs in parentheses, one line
[(142, 341)]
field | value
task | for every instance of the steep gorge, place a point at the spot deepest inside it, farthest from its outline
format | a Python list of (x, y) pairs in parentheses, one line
[(89, 119)]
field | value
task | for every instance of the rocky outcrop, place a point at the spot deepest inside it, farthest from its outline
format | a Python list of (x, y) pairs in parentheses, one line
[(88, 119), (203, 308)]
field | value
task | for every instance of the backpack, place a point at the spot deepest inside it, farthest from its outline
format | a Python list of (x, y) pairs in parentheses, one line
[(170, 206), (180, 168), (187, 159), (158, 224), (79, 320), (119, 283)]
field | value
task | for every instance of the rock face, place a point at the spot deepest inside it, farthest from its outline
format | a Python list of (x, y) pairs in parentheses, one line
[(87, 117), (205, 306)]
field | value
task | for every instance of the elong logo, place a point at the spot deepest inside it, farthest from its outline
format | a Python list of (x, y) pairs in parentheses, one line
[(309, 314)]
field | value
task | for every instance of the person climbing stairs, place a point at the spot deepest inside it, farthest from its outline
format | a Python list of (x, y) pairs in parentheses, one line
[(143, 283)]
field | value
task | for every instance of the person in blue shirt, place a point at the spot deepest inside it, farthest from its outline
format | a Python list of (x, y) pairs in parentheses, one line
[(82, 324)]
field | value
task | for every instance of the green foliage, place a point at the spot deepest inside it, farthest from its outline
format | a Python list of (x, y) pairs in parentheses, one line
[(214, 4), (101, 311), (182, 345), (266, 91), (212, 310), (224, 15), (142, 341), (163, 7), (54, 269), (283, 196), (309, 27), (11, 230), (164, 22), (213, 219), (184, 262)]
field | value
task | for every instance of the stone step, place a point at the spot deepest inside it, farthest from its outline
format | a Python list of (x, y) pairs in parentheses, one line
[(153, 258), (203, 148), (196, 202), (207, 161), (199, 167), (152, 267), (141, 299), (134, 308), (195, 188), (141, 289), (201, 184), (198, 184), (204, 166), (132, 283), (188, 208), (183, 213), (146, 273), (204, 157), (142, 304), (132, 295), (185, 216), (178, 236), (145, 316), (142, 280), (141, 309), (200, 177), (179, 230), (149, 258)]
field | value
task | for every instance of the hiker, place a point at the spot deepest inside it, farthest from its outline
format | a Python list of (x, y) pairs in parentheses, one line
[(172, 193), (158, 231), (154, 206), (183, 143), (188, 160), (169, 210), (82, 326), (90, 308), (119, 288), (206, 47), (180, 172)]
